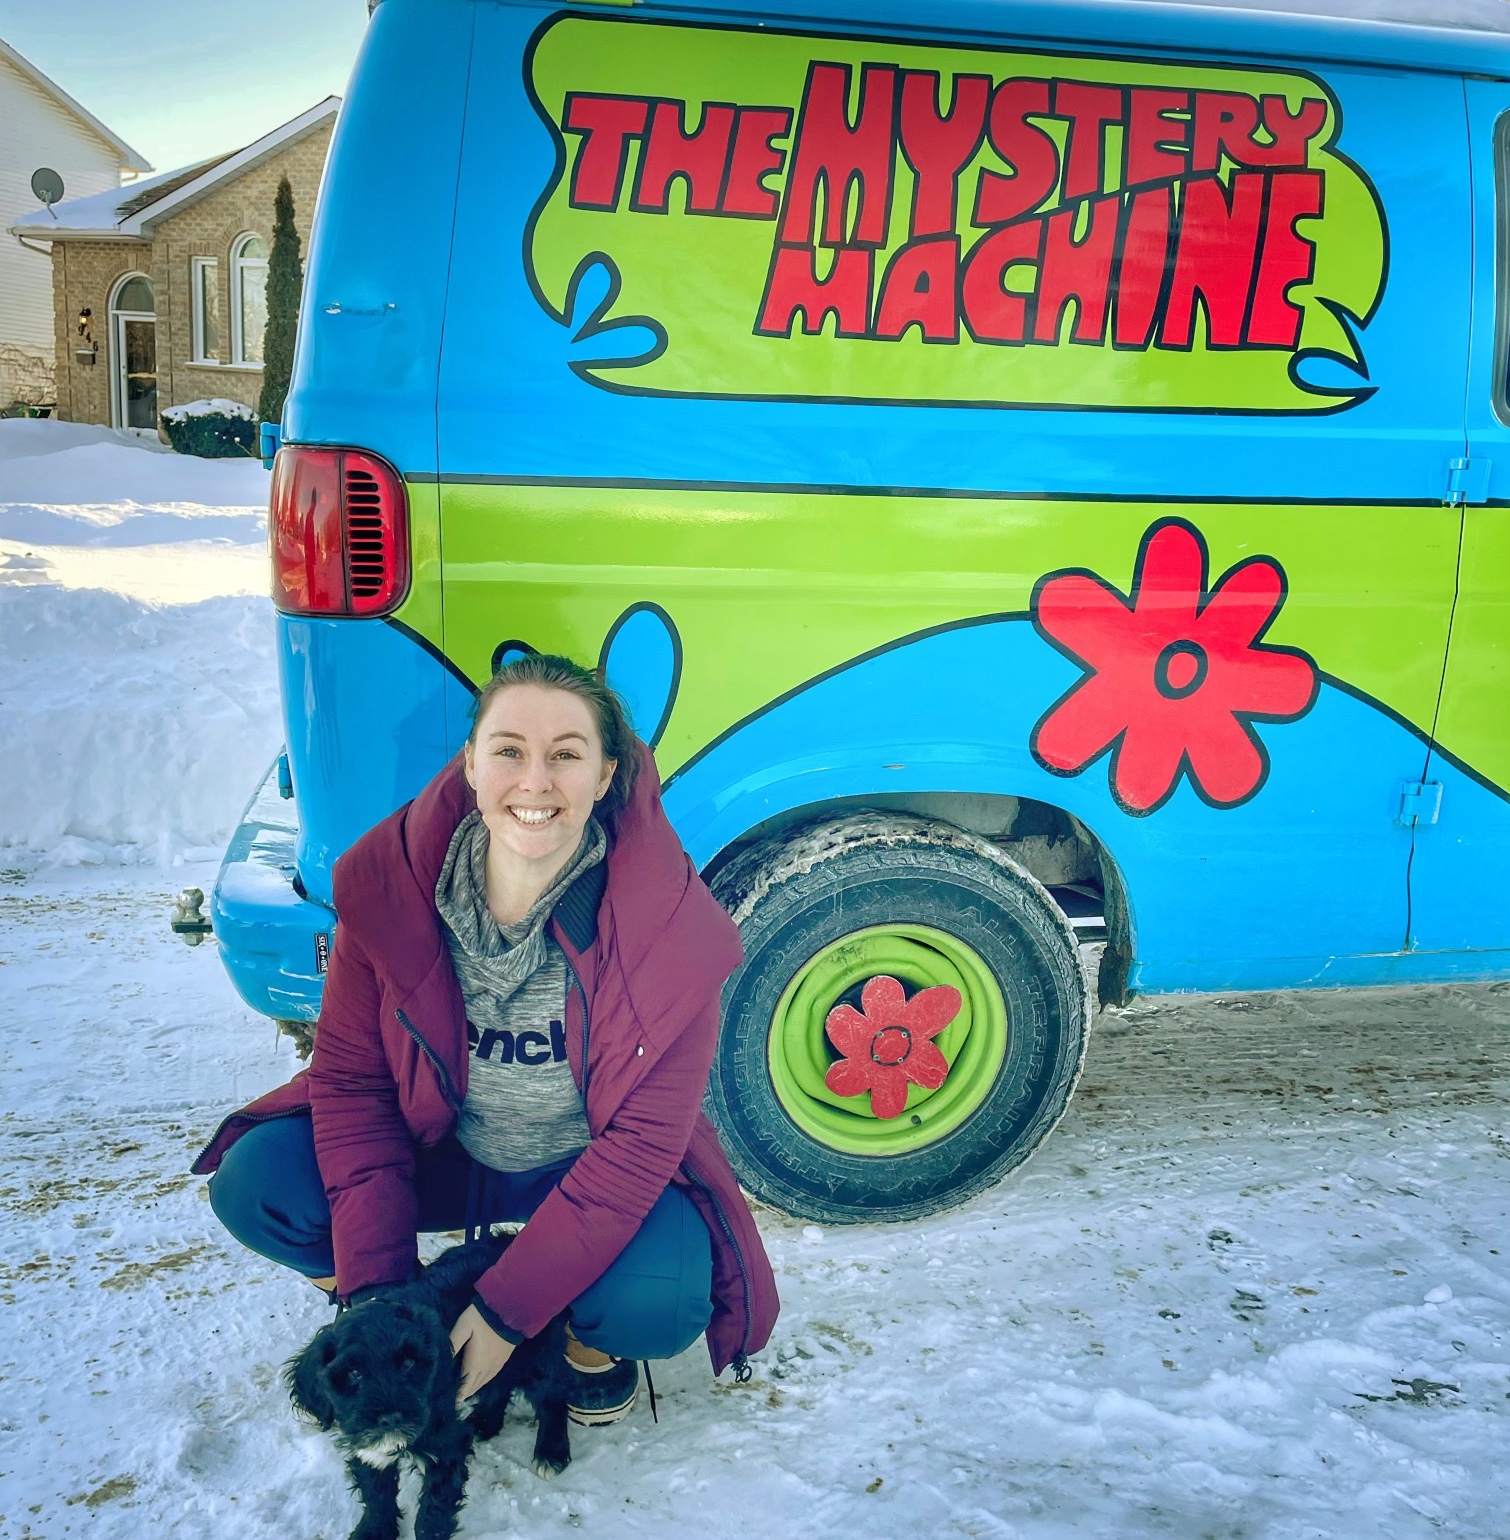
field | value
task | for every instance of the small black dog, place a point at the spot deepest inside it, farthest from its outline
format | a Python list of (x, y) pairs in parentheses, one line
[(383, 1377)]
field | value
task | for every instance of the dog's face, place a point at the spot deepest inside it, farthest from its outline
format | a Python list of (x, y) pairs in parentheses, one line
[(376, 1376)]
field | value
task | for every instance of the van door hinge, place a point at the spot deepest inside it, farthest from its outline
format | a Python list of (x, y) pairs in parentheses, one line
[(1467, 481), (1420, 802)]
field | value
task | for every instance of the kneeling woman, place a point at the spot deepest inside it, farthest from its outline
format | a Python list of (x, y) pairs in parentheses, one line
[(518, 1024)]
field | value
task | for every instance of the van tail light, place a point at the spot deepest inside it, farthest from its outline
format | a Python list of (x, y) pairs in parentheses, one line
[(339, 531)]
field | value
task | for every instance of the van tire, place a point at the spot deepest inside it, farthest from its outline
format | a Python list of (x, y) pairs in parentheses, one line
[(807, 906)]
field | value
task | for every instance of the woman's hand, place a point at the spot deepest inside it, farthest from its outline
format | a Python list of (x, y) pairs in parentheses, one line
[(483, 1352)]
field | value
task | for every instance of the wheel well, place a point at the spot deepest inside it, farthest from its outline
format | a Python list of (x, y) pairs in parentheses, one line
[(1054, 845)]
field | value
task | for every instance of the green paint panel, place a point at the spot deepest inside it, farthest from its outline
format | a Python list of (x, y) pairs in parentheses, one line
[(703, 278), (421, 609), (1476, 696), (770, 589)]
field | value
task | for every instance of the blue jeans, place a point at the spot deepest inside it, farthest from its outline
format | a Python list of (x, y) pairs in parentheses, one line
[(652, 1302)]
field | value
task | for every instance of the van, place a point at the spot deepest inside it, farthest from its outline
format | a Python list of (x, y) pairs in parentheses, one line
[(1039, 475)]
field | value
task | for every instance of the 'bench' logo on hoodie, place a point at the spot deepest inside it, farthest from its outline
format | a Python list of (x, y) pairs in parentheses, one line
[(528, 1048)]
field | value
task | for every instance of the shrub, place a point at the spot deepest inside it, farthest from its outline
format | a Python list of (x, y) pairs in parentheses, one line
[(213, 430), (285, 277)]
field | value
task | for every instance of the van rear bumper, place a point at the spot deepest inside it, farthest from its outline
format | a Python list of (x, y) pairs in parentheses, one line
[(273, 940)]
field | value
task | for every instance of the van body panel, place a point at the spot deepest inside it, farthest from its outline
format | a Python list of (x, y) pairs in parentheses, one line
[(574, 421), (1146, 24), (769, 591), (848, 585), (375, 282), (1456, 886), (366, 702), (366, 710)]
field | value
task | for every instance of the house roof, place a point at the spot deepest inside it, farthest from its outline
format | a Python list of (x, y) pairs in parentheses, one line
[(130, 160), (130, 212)]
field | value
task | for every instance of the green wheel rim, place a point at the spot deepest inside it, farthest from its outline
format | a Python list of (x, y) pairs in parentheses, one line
[(974, 1043)]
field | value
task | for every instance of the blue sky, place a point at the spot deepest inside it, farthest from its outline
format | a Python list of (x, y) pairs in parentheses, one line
[(180, 80)]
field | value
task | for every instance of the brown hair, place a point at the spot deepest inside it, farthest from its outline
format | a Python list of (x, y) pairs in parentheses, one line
[(557, 673)]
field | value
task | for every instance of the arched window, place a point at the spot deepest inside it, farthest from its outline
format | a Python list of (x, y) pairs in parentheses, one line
[(248, 298), (133, 353)]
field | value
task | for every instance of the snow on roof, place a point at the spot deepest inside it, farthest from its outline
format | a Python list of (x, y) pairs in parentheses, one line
[(128, 213), (104, 213), (130, 160)]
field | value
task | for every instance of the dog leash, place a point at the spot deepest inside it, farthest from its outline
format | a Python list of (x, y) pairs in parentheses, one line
[(477, 1184), (650, 1386)]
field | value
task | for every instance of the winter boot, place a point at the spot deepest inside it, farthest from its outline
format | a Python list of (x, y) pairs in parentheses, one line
[(604, 1393)]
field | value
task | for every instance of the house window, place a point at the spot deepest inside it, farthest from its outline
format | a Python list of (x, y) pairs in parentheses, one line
[(206, 290), (248, 298)]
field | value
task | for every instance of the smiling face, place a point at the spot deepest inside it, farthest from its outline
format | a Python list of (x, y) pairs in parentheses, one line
[(537, 765)]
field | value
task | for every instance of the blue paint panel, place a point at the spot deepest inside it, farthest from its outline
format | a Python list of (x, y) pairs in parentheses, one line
[(1407, 131), (1488, 433), (375, 286), (370, 717), (1147, 24), (642, 660), (1219, 900), (1457, 883)]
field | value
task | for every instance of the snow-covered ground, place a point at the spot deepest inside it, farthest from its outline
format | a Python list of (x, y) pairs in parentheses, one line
[(1257, 1287)]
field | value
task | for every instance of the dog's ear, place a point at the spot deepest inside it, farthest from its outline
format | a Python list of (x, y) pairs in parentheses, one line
[(304, 1375)]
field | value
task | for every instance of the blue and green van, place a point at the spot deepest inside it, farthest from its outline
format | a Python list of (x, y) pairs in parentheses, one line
[(1037, 473)]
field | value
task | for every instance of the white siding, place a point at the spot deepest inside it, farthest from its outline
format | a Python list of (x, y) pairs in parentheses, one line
[(36, 131)]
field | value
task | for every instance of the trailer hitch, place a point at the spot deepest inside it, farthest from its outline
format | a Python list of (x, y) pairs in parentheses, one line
[(188, 918)]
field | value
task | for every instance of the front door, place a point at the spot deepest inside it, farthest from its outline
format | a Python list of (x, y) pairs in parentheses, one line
[(134, 351)]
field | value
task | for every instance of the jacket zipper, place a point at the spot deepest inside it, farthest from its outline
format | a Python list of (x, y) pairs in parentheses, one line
[(578, 985), (741, 1367), (441, 1073), (253, 1118)]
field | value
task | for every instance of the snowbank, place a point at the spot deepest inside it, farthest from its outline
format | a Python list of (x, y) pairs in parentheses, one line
[(48, 463), (24, 436), (138, 682), (132, 731)]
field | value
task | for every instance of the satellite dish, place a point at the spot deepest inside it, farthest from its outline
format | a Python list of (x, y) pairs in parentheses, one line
[(46, 185)]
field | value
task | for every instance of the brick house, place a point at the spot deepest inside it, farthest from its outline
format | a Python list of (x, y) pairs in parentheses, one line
[(159, 286)]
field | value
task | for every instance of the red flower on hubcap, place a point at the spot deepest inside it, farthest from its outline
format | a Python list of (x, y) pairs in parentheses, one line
[(890, 1043), (1175, 675)]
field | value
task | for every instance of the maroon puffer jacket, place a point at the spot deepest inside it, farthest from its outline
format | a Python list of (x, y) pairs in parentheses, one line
[(650, 949)]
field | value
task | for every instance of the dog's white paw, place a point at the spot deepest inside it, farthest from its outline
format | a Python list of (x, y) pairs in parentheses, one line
[(545, 1470)]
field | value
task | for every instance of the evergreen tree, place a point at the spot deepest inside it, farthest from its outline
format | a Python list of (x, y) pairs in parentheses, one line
[(285, 277)]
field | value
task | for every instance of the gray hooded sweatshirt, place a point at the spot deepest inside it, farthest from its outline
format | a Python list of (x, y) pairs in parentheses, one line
[(522, 1107)]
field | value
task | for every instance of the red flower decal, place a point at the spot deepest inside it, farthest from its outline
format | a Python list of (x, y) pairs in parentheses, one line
[(890, 1043), (1175, 676)]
